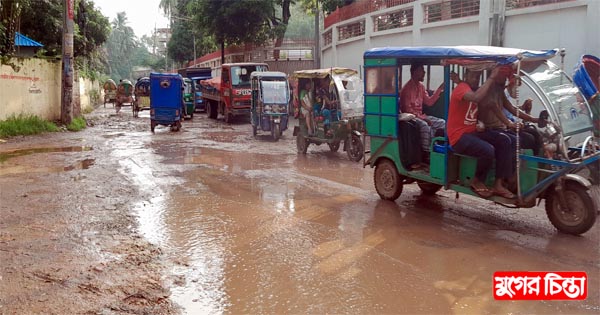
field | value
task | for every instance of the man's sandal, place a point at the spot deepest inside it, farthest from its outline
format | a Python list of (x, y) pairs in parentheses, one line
[(482, 192)]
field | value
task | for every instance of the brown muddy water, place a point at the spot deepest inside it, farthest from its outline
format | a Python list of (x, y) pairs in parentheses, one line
[(251, 227)]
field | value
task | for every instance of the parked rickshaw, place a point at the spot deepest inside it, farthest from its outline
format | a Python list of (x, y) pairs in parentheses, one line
[(110, 92), (587, 78), (166, 97), (188, 99), (269, 104), (331, 110), (124, 94), (142, 96), (563, 179)]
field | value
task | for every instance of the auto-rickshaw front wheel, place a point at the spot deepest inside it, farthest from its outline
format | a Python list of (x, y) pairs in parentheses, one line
[(276, 132), (580, 214), (388, 182)]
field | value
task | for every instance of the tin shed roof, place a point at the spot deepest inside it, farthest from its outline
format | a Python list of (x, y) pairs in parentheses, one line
[(22, 40)]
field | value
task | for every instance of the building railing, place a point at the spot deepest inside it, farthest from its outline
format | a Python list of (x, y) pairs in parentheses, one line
[(290, 49), (449, 9), (360, 7), (519, 4)]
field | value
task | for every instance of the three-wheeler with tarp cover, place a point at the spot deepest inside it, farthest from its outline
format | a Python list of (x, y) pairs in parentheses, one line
[(142, 96), (562, 173), (330, 110), (110, 92)]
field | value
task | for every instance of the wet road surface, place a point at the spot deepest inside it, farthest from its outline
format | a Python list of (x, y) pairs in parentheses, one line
[(250, 226)]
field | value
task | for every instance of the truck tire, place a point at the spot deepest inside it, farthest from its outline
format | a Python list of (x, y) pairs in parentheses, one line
[(211, 109)]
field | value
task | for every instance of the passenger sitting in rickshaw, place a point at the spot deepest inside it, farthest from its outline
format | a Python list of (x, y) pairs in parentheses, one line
[(323, 104), (306, 106), (496, 121), (412, 97), (483, 145)]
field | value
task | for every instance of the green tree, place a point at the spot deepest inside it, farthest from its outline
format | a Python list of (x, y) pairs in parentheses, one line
[(121, 44), (10, 11)]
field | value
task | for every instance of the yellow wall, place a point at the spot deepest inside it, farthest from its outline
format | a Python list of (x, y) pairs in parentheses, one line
[(35, 88)]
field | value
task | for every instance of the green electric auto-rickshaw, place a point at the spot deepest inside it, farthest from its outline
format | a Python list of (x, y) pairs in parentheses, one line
[(330, 110), (564, 172), (188, 99), (269, 103)]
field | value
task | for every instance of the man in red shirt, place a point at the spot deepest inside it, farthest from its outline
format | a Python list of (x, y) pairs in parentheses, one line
[(412, 98), (484, 145)]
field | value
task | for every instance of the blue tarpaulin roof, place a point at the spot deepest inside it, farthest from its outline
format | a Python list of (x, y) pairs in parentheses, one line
[(499, 54), (22, 40)]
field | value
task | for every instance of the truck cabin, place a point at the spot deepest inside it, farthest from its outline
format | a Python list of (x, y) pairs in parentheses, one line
[(238, 75)]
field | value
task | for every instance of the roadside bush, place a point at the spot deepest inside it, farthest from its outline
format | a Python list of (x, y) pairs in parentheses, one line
[(77, 124), (25, 125)]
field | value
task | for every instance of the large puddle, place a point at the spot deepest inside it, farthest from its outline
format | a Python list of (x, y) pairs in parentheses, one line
[(45, 165), (252, 232)]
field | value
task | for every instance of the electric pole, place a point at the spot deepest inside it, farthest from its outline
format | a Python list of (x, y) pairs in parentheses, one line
[(66, 113), (317, 52)]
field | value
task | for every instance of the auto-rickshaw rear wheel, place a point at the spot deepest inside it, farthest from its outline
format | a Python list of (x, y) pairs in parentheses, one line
[(354, 148), (301, 144), (429, 189), (580, 215), (334, 146), (152, 125), (388, 182), (176, 126)]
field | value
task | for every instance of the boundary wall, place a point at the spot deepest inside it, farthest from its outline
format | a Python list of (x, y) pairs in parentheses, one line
[(34, 87), (529, 24)]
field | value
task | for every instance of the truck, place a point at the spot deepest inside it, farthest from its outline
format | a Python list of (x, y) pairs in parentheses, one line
[(228, 92)]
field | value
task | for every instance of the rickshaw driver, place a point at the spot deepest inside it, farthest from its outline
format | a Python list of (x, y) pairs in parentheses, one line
[(485, 146), (530, 137), (412, 98)]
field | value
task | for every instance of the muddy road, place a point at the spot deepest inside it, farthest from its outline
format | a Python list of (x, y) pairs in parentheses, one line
[(209, 220)]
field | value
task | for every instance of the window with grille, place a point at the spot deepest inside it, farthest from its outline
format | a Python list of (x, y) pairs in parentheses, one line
[(394, 19), (327, 38), (449, 9), (351, 30)]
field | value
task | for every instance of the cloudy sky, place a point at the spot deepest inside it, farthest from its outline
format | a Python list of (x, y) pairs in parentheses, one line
[(143, 15)]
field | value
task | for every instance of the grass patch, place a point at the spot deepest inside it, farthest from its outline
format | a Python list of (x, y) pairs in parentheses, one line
[(77, 124), (25, 125)]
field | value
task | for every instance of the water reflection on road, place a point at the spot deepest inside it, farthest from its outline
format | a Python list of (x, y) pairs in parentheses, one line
[(254, 228)]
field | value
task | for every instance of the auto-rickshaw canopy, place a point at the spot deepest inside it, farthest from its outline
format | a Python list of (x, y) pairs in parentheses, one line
[(348, 85), (109, 85), (497, 55), (323, 73)]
